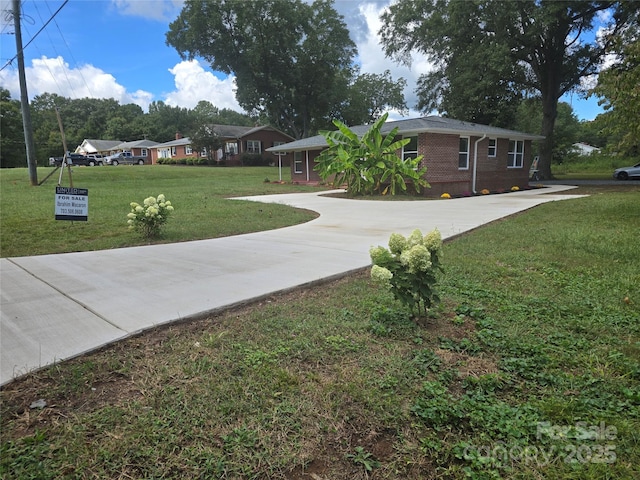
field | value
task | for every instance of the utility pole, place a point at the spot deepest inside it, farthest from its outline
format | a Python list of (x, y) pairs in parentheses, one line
[(24, 99)]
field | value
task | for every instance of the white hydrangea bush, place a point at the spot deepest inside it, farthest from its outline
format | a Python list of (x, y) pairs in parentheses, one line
[(409, 268), (150, 216)]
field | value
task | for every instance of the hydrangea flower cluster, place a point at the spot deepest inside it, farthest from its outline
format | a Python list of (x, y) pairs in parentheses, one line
[(150, 216), (409, 268)]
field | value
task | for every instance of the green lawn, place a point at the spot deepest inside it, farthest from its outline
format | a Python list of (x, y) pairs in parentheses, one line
[(199, 196), (529, 369)]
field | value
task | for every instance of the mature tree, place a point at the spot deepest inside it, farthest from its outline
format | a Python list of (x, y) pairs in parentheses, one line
[(288, 56), (619, 89), (542, 40), (567, 127), (370, 95), (472, 81), (164, 121), (205, 113), (46, 131), (205, 138), (595, 132), (12, 148)]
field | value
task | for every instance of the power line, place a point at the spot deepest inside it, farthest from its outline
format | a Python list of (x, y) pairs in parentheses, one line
[(75, 62), (34, 37)]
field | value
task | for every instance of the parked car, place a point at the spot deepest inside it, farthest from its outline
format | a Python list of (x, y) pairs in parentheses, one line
[(125, 158), (625, 173), (95, 159), (76, 159)]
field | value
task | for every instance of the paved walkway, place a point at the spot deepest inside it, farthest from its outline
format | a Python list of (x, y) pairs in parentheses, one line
[(55, 307)]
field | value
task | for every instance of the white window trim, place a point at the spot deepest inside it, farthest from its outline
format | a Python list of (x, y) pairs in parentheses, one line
[(253, 144), (412, 153), (495, 148), (231, 148), (467, 152), (297, 162), (188, 150), (515, 155), (277, 144), (174, 151)]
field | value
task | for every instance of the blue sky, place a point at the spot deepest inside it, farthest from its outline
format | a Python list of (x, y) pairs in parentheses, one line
[(116, 49)]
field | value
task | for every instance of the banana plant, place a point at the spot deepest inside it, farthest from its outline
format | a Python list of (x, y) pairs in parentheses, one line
[(365, 165)]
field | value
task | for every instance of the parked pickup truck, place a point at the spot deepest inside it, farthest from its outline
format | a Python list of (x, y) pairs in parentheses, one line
[(77, 159), (125, 158)]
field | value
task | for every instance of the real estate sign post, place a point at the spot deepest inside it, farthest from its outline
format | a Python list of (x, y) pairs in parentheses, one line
[(72, 204)]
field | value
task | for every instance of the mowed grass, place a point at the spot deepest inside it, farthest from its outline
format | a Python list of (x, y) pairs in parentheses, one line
[(598, 166), (529, 368), (199, 196)]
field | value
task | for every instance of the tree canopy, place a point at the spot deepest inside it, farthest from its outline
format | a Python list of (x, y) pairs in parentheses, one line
[(540, 49), (12, 147), (619, 90), (104, 119), (293, 61)]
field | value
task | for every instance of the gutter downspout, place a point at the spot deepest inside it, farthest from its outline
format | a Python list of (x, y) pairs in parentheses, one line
[(475, 163)]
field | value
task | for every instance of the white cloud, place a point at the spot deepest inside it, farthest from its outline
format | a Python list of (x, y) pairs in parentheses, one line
[(373, 60), (194, 83), (152, 9), (53, 75)]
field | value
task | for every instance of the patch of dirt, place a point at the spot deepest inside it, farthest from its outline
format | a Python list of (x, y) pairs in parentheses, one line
[(467, 365)]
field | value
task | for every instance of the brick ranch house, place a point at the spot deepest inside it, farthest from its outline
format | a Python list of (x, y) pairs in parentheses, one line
[(461, 157), (237, 142)]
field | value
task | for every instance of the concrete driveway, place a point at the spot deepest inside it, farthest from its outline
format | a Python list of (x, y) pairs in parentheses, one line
[(55, 307)]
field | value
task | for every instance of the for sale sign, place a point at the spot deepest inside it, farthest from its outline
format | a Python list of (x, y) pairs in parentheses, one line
[(72, 204)]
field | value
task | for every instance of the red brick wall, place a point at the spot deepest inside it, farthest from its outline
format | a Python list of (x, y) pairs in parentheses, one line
[(440, 153), (441, 159), (267, 139), (493, 173), (313, 176)]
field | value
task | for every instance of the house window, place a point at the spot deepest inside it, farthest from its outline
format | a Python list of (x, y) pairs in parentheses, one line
[(297, 162), (253, 146), (492, 148), (277, 144), (174, 151), (515, 158), (410, 150), (188, 150), (164, 153), (463, 154), (203, 152), (144, 153), (231, 148)]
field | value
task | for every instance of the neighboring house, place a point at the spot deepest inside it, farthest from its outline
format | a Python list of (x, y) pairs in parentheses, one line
[(139, 148), (584, 148), (461, 157), (237, 142), (104, 147)]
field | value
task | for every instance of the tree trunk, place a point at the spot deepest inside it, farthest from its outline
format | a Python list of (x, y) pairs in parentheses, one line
[(549, 114)]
